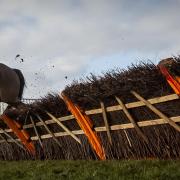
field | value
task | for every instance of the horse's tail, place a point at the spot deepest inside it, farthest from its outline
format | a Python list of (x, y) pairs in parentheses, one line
[(22, 82)]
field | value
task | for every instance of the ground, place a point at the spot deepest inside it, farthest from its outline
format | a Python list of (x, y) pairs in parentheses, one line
[(82, 170)]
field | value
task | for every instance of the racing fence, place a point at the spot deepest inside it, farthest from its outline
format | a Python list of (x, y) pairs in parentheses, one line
[(127, 137)]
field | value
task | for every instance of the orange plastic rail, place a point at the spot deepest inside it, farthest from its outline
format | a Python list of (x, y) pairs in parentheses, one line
[(173, 82), (87, 126), (20, 133)]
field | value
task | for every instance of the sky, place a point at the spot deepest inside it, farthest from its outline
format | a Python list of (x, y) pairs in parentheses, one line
[(59, 38)]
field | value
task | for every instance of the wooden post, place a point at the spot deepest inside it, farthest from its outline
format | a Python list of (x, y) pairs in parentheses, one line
[(131, 119), (156, 111), (127, 137), (106, 122), (49, 131), (35, 129), (14, 140), (64, 127)]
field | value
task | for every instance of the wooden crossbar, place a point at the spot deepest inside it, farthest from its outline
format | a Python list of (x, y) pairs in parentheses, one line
[(13, 140), (112, 128), (97, 111), (131, 119), (36, 131), (108, 109), (64, 127), (156, 111), (49, 131)]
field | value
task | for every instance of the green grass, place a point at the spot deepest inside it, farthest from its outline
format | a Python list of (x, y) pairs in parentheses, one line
[(81, 170)]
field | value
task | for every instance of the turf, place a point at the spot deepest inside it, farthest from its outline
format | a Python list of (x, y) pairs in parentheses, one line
[(42, 170)]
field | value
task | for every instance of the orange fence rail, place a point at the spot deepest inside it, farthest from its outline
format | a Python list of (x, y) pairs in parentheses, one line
[(20, 133), (174, 82), (87, 126)]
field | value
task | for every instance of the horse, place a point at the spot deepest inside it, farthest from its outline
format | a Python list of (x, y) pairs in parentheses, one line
[(12, 83)]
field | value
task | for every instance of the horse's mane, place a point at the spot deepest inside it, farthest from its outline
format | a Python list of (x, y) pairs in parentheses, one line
[(22, 82)]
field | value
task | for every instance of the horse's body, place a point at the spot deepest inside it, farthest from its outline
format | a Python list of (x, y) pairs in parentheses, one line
[(11, 85)]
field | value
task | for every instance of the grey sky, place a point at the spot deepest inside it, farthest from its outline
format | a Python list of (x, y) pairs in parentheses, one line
[(58, 38)]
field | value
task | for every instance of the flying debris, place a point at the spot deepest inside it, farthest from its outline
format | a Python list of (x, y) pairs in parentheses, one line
[(18, 55), (65, 77)]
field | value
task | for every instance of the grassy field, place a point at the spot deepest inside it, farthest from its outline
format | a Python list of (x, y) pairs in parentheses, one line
[(81, 170)]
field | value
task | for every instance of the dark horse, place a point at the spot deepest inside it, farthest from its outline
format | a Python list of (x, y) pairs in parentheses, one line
[(12, 84)]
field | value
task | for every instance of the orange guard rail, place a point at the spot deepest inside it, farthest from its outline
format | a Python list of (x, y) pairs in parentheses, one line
[(20, 133), (86, 125)]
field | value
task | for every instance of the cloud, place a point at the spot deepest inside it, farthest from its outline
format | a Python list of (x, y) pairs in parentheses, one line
[(70, 34)]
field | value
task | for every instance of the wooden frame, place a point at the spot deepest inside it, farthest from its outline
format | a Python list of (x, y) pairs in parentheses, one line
[(156, 111), (100, 110), (112, 128), (131, 119)]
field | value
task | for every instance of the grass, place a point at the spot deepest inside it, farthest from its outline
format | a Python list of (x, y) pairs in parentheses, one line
[(87, 170)]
